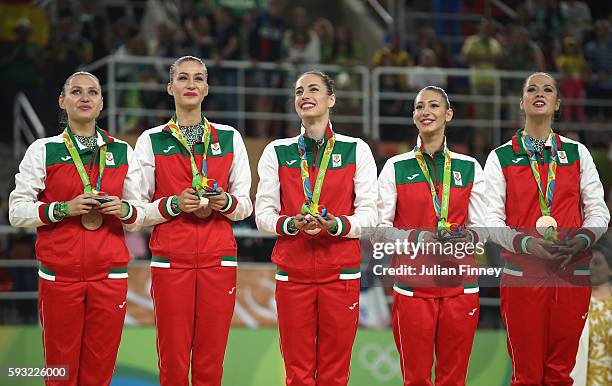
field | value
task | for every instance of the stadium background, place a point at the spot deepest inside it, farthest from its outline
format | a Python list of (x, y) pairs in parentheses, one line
[(379, 53)]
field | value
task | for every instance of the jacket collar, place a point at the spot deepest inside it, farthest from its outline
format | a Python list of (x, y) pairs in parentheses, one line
[(102, 138), (517, 143), (421, 146), (213, 131), (311, 142)]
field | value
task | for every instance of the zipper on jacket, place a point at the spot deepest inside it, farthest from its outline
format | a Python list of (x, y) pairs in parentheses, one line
[(314, 263), (316, 156), (82, 274), (435, 179), (197, 255), (91, 162)]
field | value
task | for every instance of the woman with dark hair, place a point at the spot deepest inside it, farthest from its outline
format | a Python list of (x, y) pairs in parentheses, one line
[(545, 208), (196, 182), (318, 225), (417, 194), (74, 188)]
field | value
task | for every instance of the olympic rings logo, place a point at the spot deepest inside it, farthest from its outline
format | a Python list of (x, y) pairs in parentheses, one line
[(381, 362)]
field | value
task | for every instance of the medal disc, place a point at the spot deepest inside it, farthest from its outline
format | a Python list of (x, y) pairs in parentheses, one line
[(92, 220), (313, 231), (544, 223)]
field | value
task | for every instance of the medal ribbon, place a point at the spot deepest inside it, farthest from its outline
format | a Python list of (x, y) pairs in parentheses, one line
[(199, 181), (78, 163), (441, 208), (312, 197), (545, 199)]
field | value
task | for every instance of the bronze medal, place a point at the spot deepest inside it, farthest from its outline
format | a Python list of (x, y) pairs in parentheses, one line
[(544, 223), (92, 220)]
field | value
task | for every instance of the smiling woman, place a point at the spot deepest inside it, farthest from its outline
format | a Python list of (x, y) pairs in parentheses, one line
[(80, 189), (417, 194), (545, 199), (196, 182), (317, 252)]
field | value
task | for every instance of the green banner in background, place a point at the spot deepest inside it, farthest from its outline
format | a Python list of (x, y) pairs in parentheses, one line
[(253, 358)]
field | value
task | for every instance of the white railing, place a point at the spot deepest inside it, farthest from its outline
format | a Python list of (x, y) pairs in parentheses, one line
[(503, 99), (357, 89), (25, 131)]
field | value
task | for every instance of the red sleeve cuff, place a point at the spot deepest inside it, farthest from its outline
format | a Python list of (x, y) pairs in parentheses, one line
[(282, 226), (587, 235), (165, 208), (474, 236), (346, 226), (519, 243), (232, 203), (413, 236), (130, 218), (44, 213)]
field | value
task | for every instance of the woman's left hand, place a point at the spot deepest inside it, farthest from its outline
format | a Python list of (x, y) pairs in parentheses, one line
[(574, 246), (326, 222), (113, 207), (219, 201)]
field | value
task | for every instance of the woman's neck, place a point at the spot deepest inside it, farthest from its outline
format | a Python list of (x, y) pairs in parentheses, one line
[(432, 142), (82, 129), (538, 128), (315, 129), (602, 291), (188, 117)]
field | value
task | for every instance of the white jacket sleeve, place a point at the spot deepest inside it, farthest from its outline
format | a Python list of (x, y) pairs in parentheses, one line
[(131, 193), (152, 210), (498, 231), (596, 215), (366, 195), (386, 207), (24, 208), (267, 200), (387, 195), (239, 205), (477, 209)]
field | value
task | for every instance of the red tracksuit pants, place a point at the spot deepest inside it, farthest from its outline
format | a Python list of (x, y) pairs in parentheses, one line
[(82, 324), (445, 325), (543, 329), (317, 324), (193, 312)]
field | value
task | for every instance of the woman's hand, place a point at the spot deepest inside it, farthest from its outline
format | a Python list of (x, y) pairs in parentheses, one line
[(327, 222), (539, 247), (81, 204), (189, 201), (302, 223), (114, 207), (219, 201)]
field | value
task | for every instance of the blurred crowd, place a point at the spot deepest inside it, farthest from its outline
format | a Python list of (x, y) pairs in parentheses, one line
[(560, 37), (82, 32), (553, 36)]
